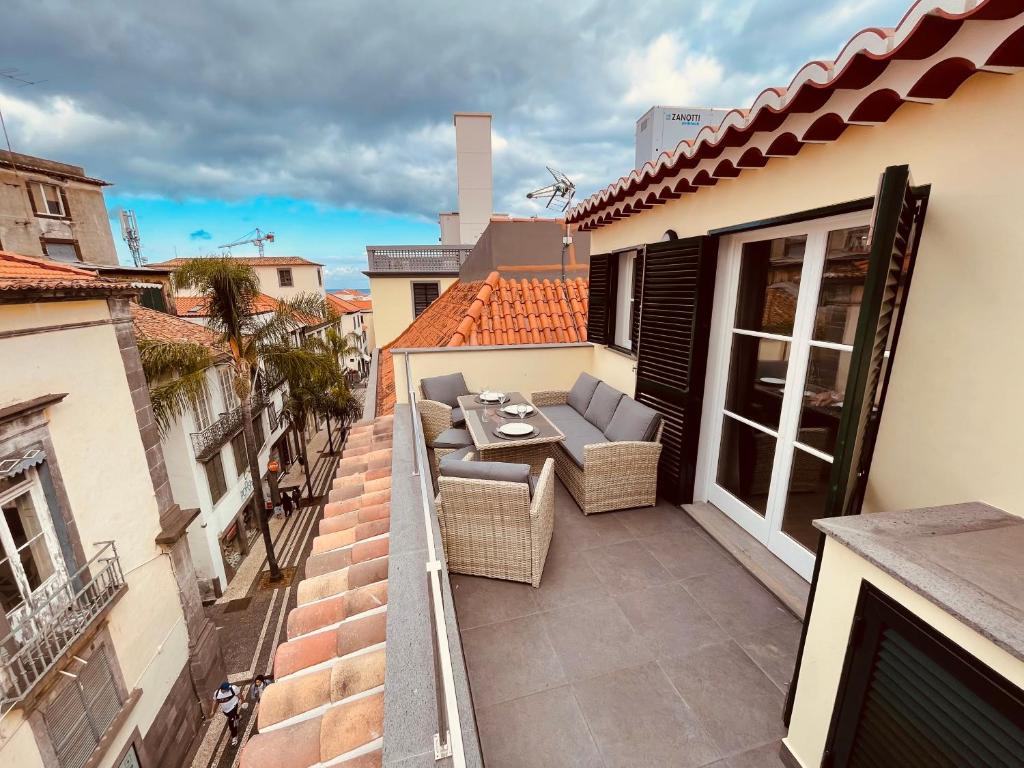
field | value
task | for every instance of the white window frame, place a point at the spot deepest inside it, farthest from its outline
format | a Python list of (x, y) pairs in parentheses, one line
[(766, 529), (623, 336), (42, 207), (202, 414), (227, 392)]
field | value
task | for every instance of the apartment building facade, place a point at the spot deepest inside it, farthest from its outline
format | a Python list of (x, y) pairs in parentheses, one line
[(106, 656)]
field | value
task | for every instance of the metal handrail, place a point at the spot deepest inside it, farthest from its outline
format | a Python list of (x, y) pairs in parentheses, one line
[(416, 258), (52, 626), (207, 442), (448, 739)]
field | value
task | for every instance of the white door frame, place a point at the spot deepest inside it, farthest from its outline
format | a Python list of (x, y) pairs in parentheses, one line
[(765, 529)]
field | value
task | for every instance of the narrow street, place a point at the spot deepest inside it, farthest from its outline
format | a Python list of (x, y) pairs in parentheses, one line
[(251, 621)]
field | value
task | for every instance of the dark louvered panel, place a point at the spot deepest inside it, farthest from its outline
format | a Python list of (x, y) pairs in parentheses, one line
[(638, 287), (675, 311), (911, 698), (423, 294), (601, 298)]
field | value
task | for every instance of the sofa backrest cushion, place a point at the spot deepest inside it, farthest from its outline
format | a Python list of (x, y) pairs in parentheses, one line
[(445, 389), (582, 392), (486, 470), (602, 406), (633, 421)]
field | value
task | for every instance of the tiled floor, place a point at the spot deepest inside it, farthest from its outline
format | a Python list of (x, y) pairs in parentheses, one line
[(645, 645)]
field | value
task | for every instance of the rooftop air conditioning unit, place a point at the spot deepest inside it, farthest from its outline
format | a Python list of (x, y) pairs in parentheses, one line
[(660, 129)]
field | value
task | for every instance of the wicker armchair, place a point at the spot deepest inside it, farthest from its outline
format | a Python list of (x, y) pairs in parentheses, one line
[(494, 529), (615, 475)]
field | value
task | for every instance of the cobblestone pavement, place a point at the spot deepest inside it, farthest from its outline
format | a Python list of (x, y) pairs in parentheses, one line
[(251, 621)]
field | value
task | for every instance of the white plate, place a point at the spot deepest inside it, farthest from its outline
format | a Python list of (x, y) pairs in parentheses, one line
[(492, 397), (511, 410), (516, 429), (772, 380)]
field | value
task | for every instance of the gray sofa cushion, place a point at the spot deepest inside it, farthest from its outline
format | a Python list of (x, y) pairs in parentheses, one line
[(445, 389), (633, 421), (452, 438), (459, 455), (578, 431), (581, 393), (458, 420), (602, 406), (487, 470)]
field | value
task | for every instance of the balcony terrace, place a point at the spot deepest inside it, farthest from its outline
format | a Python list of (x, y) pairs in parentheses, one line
[(416, 259), (48, 633), (210, 440)]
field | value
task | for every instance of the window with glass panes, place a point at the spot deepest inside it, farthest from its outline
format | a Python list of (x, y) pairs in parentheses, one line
[(29, 554)]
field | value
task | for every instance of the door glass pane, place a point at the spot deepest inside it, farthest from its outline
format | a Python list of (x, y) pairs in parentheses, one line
[(842, 285), (769, 284), (805, 497), (757, 378), (745, 463), (26, 530), (822, 402)]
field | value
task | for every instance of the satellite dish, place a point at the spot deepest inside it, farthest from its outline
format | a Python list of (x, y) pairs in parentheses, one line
[(558, 193)]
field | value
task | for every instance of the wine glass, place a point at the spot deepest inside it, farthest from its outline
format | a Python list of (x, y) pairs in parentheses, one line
[(521, 410)]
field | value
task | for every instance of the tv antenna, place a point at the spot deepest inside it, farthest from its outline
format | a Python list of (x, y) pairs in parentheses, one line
[(558, 193), (130, 234), (255, 237)]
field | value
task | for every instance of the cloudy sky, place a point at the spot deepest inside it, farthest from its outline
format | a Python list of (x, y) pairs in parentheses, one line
[(330, 122)]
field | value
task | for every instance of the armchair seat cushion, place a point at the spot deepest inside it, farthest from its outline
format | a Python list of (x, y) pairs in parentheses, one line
[(602, 406), (445, 389), (487, 470), (452, 438), (633, 421), (581, 393), (460, 455), (458, 418)]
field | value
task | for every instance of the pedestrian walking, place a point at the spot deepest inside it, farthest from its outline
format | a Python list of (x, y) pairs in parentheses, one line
[(259, 685), (286, 502), (226, 697), (297, 499)]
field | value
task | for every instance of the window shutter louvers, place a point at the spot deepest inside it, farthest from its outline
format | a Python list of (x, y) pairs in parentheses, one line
[(638, 286), (893, 231), (672, 347), (601, 300), (423, 295)]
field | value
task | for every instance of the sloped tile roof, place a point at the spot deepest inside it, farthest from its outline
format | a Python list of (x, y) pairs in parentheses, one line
[(252, 261), (343, 306), (494, 311), (23, 273), (925, 58), (198, 306), (326, 705), (159, 326)]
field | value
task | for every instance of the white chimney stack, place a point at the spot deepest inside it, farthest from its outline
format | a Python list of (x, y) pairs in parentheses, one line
[(473, 164)]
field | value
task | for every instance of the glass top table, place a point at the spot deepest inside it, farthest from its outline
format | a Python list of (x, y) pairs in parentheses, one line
[(483, 420)]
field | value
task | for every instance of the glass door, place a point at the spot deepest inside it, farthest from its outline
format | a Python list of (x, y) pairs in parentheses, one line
[(792, 300)]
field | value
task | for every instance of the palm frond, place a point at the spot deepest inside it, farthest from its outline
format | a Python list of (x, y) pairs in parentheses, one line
[(172, 398), (230, 288)]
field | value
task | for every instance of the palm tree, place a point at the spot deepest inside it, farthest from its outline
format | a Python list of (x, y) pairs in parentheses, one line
[(176, 370), (333, 397)]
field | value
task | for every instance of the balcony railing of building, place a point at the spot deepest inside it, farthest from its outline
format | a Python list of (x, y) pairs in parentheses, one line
[(416, 258), (39, 639), (207, 442)]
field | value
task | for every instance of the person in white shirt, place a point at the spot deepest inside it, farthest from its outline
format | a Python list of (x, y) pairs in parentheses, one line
[(226, 697)]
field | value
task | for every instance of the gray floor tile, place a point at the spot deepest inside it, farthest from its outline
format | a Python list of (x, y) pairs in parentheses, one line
[(626, 566), (734, 700), (575, 531), (738, 602), (762, 757), (594, 638), (481, 601), (654, 521), (774, 651), (510, 659), (638, 720), (568, 579), (688, 553), (544, 730), (669, 620)]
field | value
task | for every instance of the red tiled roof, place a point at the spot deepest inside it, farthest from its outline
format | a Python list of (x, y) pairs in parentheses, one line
[(197, 306), (20, 273), (343, 306), (922, 59), (327, 701), (159, 326), (252, 261), (494, 311)]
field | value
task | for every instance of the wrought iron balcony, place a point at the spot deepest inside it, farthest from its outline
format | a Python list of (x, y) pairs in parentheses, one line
[(210, 440), (40, 639), (416, 258)]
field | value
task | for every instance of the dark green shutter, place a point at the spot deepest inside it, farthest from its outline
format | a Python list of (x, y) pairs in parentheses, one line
[(672, 351), (601, 301), (893, 230)]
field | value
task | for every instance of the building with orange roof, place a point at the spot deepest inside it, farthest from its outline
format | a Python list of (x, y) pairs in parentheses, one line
[(281, 277), (356, 324), (100, 618)]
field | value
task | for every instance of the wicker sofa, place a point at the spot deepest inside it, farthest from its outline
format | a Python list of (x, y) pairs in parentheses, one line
[(609, 459), (496, 528)]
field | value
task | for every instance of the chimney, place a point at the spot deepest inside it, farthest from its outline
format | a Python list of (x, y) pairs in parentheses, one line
[(473, 164)]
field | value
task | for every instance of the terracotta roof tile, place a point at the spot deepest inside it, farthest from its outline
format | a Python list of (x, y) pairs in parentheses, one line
[(21, 273), (197, 306), (159, 326), (491, 312), (345, 306), (327, 703), (252, 261)]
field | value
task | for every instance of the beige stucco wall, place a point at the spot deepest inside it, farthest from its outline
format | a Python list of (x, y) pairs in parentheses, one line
[(392, 303), (100, 454), (838, 587), (948, 434), (303, 277), (20, 228)]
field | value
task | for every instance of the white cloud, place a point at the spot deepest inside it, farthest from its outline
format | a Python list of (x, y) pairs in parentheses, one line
[(668, 72)]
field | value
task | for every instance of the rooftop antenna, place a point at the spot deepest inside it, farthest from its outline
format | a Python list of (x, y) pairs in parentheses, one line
[(255, 237), (130, 234), (560, 192)]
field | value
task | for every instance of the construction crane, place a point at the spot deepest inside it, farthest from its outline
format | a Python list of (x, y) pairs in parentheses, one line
[(256, 237)]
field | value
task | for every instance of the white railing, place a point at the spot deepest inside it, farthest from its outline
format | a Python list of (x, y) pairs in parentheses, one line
[(448, 739)]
